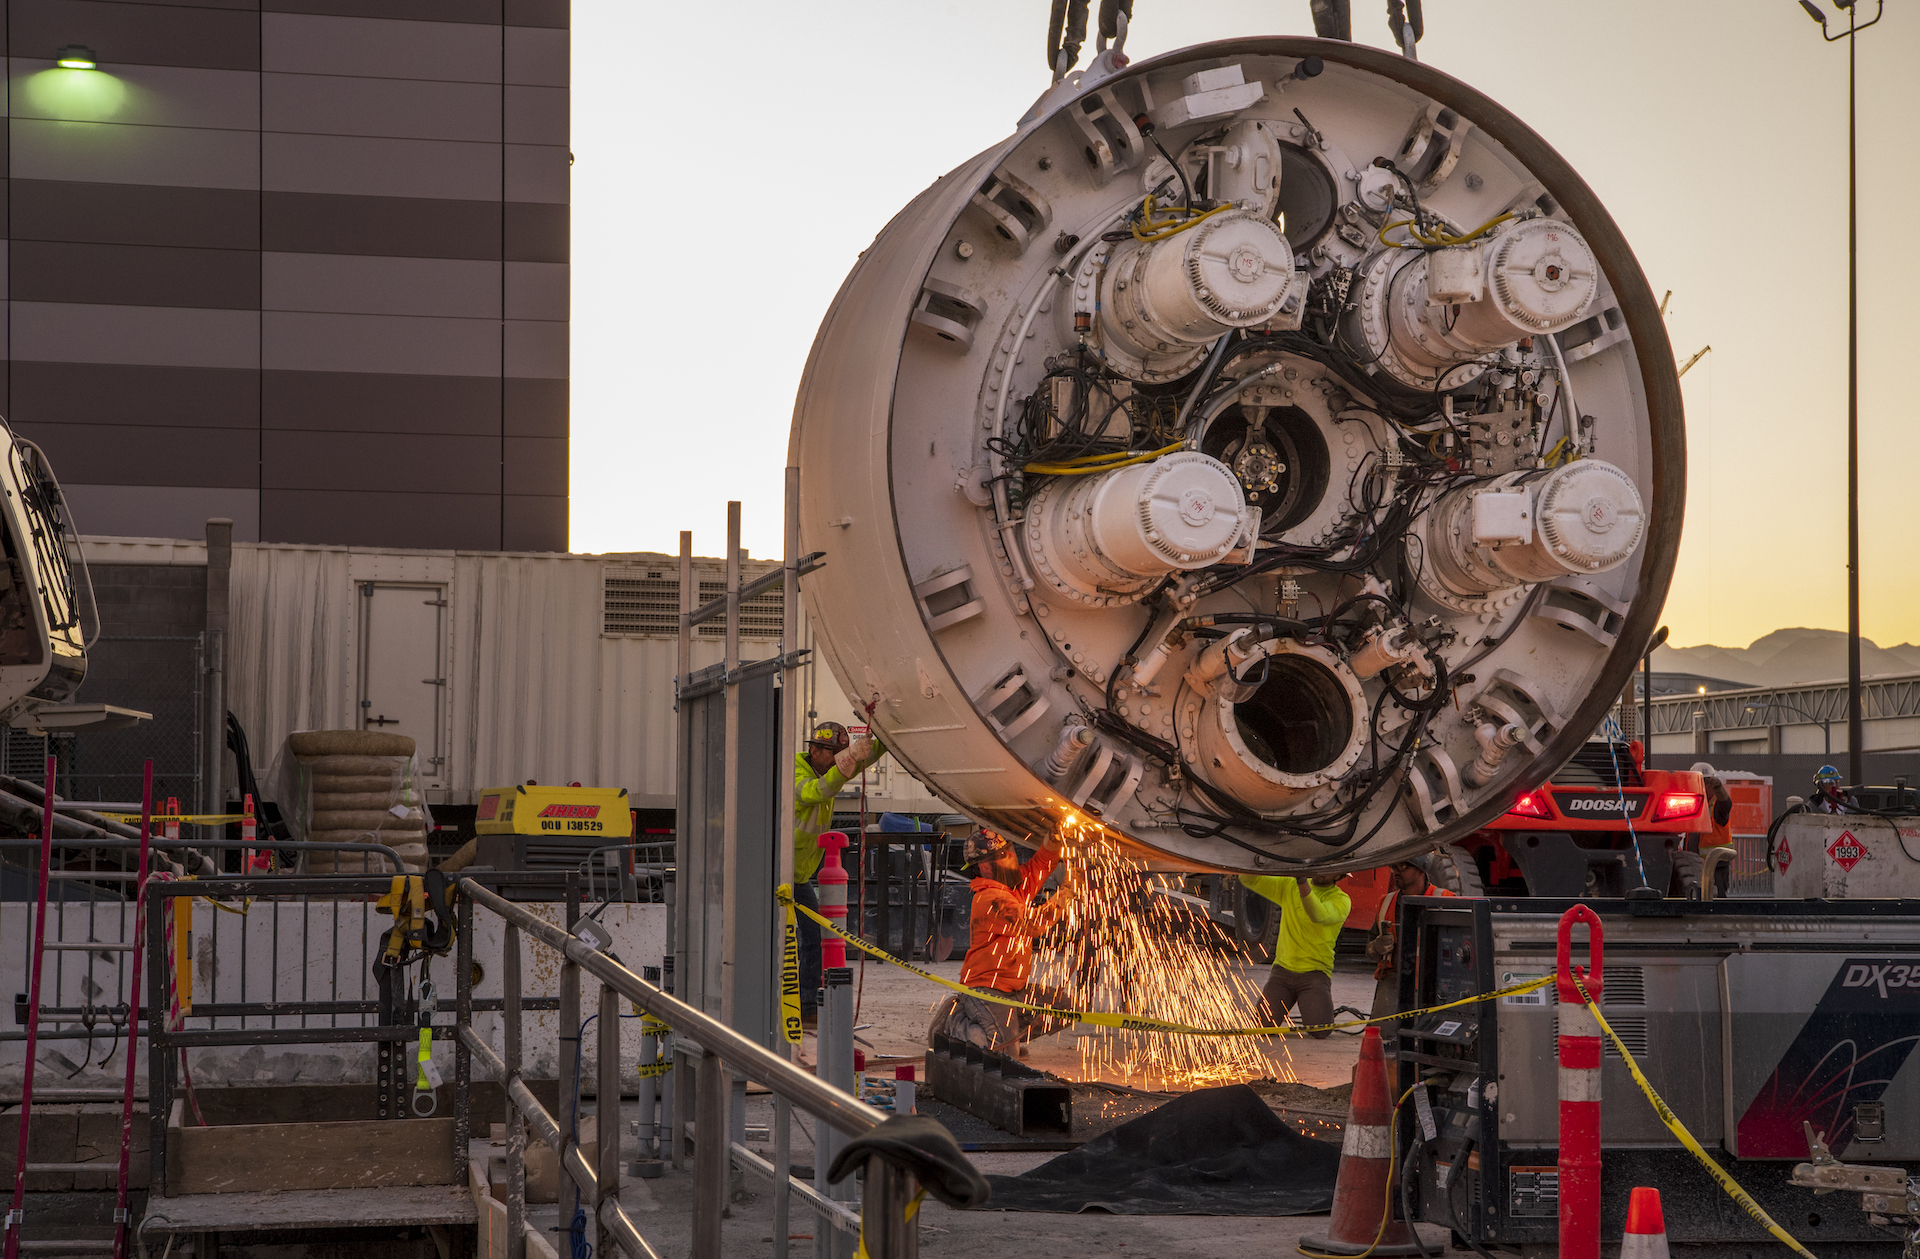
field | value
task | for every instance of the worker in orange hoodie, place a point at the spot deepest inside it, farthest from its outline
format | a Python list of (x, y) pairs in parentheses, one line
[(1410, 877), (1000, 952)]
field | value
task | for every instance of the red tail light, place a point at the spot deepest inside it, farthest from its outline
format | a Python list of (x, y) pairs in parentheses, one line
[(1673, 805), (1533, 804)]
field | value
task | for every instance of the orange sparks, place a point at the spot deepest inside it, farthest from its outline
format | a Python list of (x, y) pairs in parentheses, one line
[(1126, 945)]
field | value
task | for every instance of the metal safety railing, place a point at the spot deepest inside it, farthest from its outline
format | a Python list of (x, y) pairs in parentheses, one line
[(715, 1054), (635, 872)]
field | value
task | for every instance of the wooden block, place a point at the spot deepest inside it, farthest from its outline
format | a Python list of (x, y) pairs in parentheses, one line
[(52, 1138), (543, 1166), (278, 1157), (98, 1141)]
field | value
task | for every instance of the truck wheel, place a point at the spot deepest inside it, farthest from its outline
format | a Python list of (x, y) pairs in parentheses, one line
[(1457, 871), (1256, 923)]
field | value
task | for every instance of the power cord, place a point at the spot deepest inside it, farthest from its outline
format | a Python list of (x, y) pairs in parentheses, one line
[(1453, 1176)]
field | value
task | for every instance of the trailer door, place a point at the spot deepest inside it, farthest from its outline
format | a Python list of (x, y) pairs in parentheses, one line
[(403, 682)]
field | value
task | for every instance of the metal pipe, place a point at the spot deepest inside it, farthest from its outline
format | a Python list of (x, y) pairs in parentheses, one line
[(680, 935), (883, 1212), (788, 747), (617, 1222), (680, 1109), (647, 1094), (1856, 709), (838, 1108), (570, 1020), (826, 1209), (463, 1018), (606, 1109), (759, 585), (509, 1068), (264, 886), (709, 1158), (213, 791), (836, 1067), (566, 1150), (730, 790), (782, 1175)]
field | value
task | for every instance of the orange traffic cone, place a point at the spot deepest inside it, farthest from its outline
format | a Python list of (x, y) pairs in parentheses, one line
[(1646, 1235), (1366, 1168)]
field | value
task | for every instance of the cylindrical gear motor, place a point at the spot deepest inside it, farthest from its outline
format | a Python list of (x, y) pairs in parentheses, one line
[(1528, 527), (1428, 314), (1179, 294), (1105, 538)]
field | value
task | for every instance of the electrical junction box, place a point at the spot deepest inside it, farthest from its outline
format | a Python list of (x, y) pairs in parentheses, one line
[(584, 812), (1503, 516)]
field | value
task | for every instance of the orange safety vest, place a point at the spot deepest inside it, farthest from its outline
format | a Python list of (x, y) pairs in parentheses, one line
[(1385, 918), (1000, 944)]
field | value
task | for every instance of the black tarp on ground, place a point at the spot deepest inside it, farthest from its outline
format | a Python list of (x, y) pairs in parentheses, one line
[(1213, 1152)]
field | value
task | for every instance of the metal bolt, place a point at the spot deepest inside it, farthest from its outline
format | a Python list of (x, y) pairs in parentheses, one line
[(964, 249)]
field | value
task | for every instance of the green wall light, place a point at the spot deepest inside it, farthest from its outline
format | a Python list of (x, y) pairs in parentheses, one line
[(76, 57)]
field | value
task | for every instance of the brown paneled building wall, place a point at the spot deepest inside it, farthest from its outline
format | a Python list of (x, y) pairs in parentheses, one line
[(301, 263)]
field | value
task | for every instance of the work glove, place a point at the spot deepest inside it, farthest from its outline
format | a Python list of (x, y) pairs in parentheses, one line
[(1380, 946), (848, 763), (862, 749)]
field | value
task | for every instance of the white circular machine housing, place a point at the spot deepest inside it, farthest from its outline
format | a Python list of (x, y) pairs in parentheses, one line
[(1288, 515)]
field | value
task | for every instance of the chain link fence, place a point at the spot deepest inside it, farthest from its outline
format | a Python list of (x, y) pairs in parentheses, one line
[(159, 675)]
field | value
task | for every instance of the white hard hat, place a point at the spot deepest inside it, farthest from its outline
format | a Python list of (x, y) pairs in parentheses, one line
[(1704, 770)]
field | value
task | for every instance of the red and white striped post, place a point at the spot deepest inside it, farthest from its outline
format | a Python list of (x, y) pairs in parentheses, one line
[(833, 898), (1579, 1090)]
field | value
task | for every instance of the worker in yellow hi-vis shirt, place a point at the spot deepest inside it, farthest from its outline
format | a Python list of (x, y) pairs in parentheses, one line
[(1311, 915), (829, 760)]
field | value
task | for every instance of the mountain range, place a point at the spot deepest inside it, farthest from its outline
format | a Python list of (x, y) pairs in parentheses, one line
[(1788, 657)]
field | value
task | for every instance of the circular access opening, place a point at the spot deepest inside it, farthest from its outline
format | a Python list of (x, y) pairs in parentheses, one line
[(1300, 719), (1307, 199), (1284, 470)]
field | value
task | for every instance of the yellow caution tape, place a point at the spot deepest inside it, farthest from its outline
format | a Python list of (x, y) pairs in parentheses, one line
[(228, 909), (790, 1025), (650, 1069), (1679, 1130), (198, 819), (1139, 1022), (650, 1026)]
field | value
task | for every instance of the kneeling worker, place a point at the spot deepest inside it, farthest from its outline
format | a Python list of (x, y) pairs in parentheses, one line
[(1311, 915), (1000, 951)]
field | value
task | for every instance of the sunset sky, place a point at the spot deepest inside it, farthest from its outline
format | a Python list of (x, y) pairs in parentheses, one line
[(1715, 132)]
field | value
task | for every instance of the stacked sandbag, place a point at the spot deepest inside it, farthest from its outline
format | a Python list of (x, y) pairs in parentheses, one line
[(358, 787)]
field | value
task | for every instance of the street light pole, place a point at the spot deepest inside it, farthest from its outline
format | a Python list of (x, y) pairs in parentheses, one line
[(1856, 719), (1825, 723), (1856, 725)]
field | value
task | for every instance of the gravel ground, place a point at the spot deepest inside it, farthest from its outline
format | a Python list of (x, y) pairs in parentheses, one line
[(1312, 1080)]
